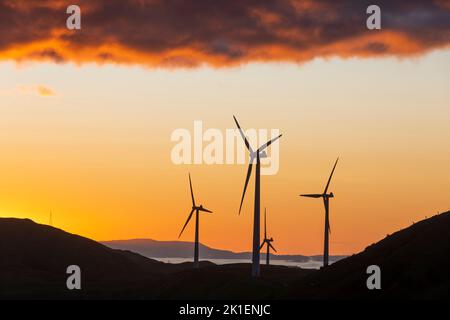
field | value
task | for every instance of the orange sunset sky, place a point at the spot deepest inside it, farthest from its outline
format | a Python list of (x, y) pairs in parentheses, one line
[(86, 117)]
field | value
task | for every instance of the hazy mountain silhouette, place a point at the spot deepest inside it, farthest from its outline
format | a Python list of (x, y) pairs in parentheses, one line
[(183, 249), (34, 259), (414, 263)]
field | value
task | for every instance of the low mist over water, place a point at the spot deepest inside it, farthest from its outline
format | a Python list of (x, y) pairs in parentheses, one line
[(311, 264)]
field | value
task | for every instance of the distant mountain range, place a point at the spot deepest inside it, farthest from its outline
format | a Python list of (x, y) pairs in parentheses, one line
[(183, 249), (414, 264)]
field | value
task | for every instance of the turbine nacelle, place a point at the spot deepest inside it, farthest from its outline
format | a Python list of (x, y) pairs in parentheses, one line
[(254, 154), (195, 208), (266, 240), (201, 208), (262, 154), (325, 196), (269, 244)]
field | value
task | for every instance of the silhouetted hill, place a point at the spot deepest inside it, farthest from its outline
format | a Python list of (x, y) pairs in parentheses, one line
[(230, 281), (414, 263), (183, 249), (34, 259)]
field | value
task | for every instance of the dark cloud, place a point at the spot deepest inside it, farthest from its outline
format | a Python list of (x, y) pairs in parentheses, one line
[(189, 33)]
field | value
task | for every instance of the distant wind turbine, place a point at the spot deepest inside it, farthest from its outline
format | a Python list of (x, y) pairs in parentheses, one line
[(326, 198), (266, 240), (51, 219), (197, 209), (258, 154)]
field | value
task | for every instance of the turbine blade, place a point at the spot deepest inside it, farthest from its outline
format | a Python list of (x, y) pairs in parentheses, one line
[(312, 195), (192, 192), (249, 173), (247, 144), (187, 221), (205, 210), (331, 175), (262, 245), (267, 144), (270, 245)]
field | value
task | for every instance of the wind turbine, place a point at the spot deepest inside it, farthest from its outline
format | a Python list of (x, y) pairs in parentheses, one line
[(326, 199), (197, 209), (266, 240), (257, 154)]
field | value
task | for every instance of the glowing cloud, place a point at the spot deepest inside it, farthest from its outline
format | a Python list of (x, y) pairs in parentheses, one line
[(191, 33), (40, 90), (45, 91)]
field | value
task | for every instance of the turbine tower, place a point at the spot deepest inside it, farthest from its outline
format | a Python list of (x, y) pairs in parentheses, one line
[(266, 240), (258, 154), (51, 219), (197, 209), (326, 199)]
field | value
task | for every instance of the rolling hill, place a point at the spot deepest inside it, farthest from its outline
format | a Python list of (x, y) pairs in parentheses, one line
[(34, 259), (414, 264)]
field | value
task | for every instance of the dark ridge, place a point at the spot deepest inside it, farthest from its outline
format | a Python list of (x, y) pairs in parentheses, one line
[(34, 259), (414, 264)]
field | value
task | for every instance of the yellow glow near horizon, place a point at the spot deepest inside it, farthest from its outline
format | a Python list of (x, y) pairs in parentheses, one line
[(98, 153)]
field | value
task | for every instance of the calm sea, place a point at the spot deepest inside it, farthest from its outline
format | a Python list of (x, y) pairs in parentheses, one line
[(311, 264)]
